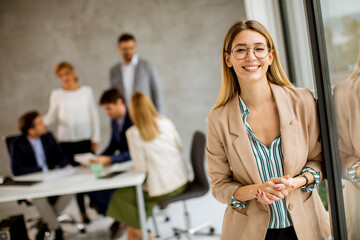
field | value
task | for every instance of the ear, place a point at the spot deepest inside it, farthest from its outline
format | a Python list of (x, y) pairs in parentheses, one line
[(119, 102), (31, 132), (227, 59), (271, 57)]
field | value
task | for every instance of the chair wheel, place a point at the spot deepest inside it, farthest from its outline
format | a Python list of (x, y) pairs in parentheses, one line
[(212, 231)]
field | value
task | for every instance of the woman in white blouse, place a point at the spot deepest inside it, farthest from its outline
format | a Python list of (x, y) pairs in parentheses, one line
[(74, 109), (155, 148)]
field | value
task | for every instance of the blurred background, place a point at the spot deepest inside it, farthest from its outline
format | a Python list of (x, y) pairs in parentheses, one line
[(183, 39)]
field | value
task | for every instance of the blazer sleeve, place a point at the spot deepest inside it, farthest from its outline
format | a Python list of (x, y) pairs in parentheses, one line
[(18, 157), (345, 143), (112, 147), (112, 77), (51, 115), (221, 176), (177, 138), (314, 147), (94, 118), (156, 91), (137, 152)]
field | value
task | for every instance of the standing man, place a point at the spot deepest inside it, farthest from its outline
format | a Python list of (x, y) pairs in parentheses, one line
[(135, 74)]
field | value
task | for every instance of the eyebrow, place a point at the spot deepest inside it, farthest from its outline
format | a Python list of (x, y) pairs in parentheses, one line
[(244, 44)]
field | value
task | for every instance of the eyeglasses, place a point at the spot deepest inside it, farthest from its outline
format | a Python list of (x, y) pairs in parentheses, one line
[(260, 51)]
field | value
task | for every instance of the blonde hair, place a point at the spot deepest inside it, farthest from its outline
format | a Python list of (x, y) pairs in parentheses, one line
[(356, 72), (229, 83), (65, 65), (143, 114)]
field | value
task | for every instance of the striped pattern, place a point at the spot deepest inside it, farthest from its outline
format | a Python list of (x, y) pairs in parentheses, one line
[(352, 173), (270, 164), (309, 188)]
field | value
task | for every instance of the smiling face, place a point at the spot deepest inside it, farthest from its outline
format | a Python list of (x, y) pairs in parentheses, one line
[(67, 76), (251, 68)]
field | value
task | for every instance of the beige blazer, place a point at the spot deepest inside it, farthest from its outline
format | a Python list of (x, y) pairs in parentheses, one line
[(347, 108), (160, 158), (231, 164)]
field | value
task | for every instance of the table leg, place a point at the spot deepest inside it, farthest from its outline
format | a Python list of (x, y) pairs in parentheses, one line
[(142, 213)]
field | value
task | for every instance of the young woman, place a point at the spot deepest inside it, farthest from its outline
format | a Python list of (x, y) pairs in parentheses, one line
[(263, 145), (155, 148), (74, 108)]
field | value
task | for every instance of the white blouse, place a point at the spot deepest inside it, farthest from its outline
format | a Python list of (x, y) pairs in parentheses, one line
[(76, 114), (160, 158)]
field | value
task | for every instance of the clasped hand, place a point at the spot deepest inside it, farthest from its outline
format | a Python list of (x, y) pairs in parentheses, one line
[(275, 189)]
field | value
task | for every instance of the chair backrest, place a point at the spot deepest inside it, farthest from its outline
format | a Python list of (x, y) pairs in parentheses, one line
[(9, 140), (198, 160)]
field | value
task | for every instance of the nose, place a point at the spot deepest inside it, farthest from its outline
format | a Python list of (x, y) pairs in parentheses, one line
[(250, 54)]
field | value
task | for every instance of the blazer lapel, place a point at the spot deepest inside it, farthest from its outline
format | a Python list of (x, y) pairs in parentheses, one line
[(288, 128), (241, 142)]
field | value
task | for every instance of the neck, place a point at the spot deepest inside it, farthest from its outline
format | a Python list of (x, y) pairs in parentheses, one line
[(122, 113), (35, 137), (71, 86), (256, 94)]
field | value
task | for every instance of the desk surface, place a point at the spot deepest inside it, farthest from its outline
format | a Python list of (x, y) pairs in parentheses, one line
[(68, 181)]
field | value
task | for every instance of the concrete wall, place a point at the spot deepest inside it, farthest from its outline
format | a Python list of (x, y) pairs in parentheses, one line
[(182, 38)]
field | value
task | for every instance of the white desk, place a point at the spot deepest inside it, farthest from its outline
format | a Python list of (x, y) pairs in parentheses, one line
[(76, 180)]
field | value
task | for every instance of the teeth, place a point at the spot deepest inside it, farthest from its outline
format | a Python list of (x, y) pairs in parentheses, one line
[(251, 68)]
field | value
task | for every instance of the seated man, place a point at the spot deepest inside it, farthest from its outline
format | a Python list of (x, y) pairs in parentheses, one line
[(37, 150), (112, 102)]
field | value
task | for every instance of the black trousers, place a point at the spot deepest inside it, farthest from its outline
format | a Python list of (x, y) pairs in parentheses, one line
[(70, 149), (281, 234)]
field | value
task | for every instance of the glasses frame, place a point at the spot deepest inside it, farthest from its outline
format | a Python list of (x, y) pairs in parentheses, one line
[(247, 52)]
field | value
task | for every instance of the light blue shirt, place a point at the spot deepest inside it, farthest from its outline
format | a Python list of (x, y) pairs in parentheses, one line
[(39, 153)]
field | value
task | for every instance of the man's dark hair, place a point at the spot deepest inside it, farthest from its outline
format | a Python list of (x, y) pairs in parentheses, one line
[(111, 96), (126, 37), (26, 121)]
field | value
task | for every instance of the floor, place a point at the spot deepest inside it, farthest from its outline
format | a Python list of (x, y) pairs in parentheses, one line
[(202, 210)]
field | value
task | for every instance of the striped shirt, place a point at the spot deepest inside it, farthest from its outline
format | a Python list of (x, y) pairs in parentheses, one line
[(270, 164)]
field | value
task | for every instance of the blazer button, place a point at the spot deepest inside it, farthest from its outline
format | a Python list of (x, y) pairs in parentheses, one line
[(290, 206)]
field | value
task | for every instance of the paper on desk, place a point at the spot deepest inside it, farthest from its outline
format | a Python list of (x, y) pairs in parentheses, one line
[(59, 173), (118, 167), (84, 158)]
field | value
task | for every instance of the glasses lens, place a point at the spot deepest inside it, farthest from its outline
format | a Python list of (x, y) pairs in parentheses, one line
[(261, 51), (239, 52)]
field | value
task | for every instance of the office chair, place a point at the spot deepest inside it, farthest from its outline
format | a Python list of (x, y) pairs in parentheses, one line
[(64, 218), (197, 188)]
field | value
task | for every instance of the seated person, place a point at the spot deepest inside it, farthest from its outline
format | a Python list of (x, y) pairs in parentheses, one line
[(155, 147), (37, 150), (112, 102)]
